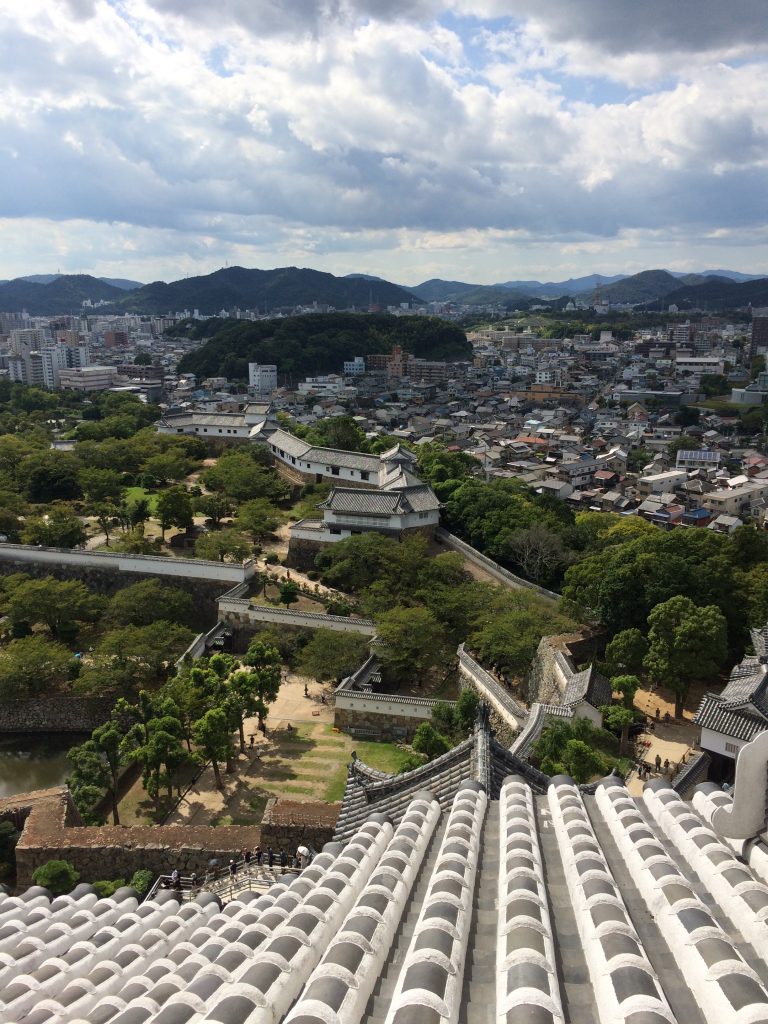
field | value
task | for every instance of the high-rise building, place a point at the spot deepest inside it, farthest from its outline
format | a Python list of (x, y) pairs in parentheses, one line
[(759, 332)]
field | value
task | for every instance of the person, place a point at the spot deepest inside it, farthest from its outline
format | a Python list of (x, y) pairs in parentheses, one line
[(666, 763), (259, 855), (175, 879), (247, 859), (283, 859), (658, 762), (658, 714), (322, 697), (289, 727), (306, 690), (270, 858), (253, 737), (232, 868), (193, 882), (667, 718)]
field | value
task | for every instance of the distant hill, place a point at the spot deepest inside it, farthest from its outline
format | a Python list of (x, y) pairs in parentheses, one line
[(231, 287), (643, 287), (556, 289), (64, 294), (436, 290), (315, 343), (118, 282), (719, 293), (270, 290)]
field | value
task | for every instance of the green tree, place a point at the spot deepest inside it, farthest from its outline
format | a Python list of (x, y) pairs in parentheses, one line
[(239, 476), (223, 546), (615, 716), (134, 657), (264, 660), (59, 527), (333, 655), (212, 735), (465, 711), (413, 643), (166, 466), (627, 686), (428, 741), (685, 643), (58, 604), (259, 518), (96, 767), (626, 651), (174, 508), (143, 603), (215, 506), (289, 592), (101, 485), (33, 665), (58, 876)]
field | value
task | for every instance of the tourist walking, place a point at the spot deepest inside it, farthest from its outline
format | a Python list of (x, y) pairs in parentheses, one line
[(259, 855), (283, 859), (270, 858), (657, 761), (232, 868), (247, 860)]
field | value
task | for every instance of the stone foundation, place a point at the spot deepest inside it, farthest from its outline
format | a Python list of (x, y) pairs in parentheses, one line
[(393, 728), (51, 829), (55, 714), (287, 824)]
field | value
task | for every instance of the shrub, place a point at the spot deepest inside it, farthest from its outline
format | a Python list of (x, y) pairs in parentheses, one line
[(142, 881), (313, 574), (272, 559), (106, 888), (59, 876)]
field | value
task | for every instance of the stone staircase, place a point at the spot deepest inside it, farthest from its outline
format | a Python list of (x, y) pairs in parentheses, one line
[(378, 1005)]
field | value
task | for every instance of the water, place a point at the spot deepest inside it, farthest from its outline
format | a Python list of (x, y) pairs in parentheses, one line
[(34, 761)]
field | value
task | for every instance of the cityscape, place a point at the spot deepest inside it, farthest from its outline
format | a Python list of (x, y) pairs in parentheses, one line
[(383, 513)]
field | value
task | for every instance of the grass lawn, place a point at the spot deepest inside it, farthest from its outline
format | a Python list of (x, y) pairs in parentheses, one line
[(134, 494), (312, 762)]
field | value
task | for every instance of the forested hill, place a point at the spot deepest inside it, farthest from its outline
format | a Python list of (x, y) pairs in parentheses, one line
[(283, 288), (318, 343)]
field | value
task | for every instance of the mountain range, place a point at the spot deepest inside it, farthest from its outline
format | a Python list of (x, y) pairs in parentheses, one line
[(284, 288), (288, 287)]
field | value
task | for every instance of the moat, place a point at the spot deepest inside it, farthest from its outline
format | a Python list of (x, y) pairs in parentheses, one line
[(31, 761)]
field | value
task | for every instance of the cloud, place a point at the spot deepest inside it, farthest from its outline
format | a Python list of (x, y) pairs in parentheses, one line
[(367, 132)]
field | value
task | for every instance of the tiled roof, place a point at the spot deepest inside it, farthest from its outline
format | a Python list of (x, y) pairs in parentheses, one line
[(536, 903), (740, 724)]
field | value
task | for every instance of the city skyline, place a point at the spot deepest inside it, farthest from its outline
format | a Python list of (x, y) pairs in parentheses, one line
[(474, 140)]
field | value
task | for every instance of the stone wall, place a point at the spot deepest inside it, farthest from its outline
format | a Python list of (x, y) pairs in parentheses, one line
[(287, 824), (53, 830), (382, 726), (301, 553), (240, 614), (546, 681), (55, 714)]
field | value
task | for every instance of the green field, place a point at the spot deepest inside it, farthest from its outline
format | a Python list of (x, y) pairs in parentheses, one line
[(134, 494)]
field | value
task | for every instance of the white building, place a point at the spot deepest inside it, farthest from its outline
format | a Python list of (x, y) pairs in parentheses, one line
[(354, 367), (262, 378), (89, 378)]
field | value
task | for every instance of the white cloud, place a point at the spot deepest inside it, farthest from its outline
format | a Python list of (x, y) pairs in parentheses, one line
[(328, 129)]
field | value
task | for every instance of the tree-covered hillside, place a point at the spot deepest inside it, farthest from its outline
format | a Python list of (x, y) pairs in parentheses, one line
[(319, 343)]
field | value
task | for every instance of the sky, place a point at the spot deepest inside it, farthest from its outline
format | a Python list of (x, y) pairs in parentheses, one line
[(474, 140)]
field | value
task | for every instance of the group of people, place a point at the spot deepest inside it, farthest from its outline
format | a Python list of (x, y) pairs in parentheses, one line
[(268, 858), (644, 770)]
